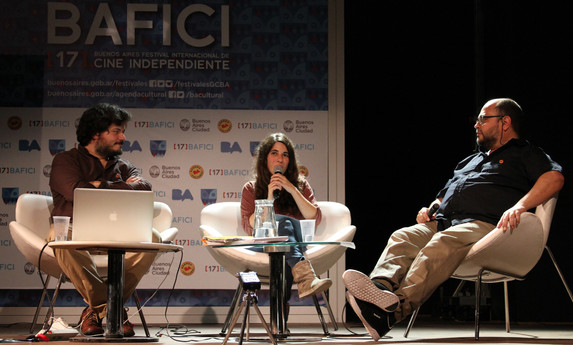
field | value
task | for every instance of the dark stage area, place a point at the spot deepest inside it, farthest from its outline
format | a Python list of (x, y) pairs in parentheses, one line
[(417, 73)]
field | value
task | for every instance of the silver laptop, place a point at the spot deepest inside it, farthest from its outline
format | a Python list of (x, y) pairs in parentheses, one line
[(112, 215)]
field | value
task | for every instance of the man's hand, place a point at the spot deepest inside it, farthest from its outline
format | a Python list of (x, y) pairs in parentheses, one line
[(422, 216), (510, 218), (133, 179)]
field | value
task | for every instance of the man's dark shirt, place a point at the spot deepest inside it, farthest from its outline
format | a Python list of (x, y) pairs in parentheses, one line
[(483, 187), (75, 168)]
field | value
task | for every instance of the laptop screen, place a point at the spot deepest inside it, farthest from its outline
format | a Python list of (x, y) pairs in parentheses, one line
[(112, 215)]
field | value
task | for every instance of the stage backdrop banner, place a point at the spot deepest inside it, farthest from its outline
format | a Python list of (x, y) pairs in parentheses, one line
[(205, 82)]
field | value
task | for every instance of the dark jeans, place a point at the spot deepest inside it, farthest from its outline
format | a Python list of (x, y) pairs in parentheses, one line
[(288, 226)]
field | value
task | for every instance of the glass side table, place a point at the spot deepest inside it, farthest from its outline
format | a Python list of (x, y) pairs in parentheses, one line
[(277, 282)]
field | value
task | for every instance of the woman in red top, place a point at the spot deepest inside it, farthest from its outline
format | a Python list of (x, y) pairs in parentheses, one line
[(295, 200)]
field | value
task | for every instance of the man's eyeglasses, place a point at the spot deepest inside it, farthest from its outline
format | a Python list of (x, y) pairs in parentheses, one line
[(481, 118)]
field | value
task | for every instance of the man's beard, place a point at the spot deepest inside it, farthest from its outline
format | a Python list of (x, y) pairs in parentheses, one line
[(486, 143), (108, 151)]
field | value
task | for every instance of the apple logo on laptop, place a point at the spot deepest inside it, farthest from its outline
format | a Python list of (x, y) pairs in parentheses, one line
[(113, 216)]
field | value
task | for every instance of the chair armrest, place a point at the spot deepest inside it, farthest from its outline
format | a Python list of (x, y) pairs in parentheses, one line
[(345, 233), (30, 245), (27, 242), (169, 234), (207, 230)]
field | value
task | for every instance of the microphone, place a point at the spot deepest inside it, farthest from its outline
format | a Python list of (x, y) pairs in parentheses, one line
[(277, 170), (433, 209)]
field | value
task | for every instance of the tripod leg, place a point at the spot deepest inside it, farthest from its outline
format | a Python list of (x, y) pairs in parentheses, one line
[(267, 329), (232, 309), (245, 320), (234, 322)]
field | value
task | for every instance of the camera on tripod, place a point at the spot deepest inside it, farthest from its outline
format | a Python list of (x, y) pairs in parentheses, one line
[(250, 283), (249, 280)]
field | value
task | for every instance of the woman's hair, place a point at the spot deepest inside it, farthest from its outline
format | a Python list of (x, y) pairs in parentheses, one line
[(285, 202), (97, 119)]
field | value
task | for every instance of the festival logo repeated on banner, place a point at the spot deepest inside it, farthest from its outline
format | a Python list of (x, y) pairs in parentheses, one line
[(205, 82)]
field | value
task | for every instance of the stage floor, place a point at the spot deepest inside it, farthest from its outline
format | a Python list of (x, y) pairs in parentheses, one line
[(426, 331)]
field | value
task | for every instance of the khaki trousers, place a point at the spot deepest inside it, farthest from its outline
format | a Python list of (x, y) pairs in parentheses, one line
[(418, 259), (80, 269)]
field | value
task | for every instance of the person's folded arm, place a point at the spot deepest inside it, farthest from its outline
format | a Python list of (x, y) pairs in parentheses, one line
[(546, 186)]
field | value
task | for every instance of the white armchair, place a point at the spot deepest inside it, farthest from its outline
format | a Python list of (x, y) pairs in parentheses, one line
[(224, 219), (505, 256), (30, 229)]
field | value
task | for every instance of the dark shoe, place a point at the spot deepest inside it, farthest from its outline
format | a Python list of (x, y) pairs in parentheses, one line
[(376, 321), (364, 289), (90, 322), (127, 326)]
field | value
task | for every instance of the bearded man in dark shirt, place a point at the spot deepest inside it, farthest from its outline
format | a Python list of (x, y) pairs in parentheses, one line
[(489, 189), (95, 163)]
